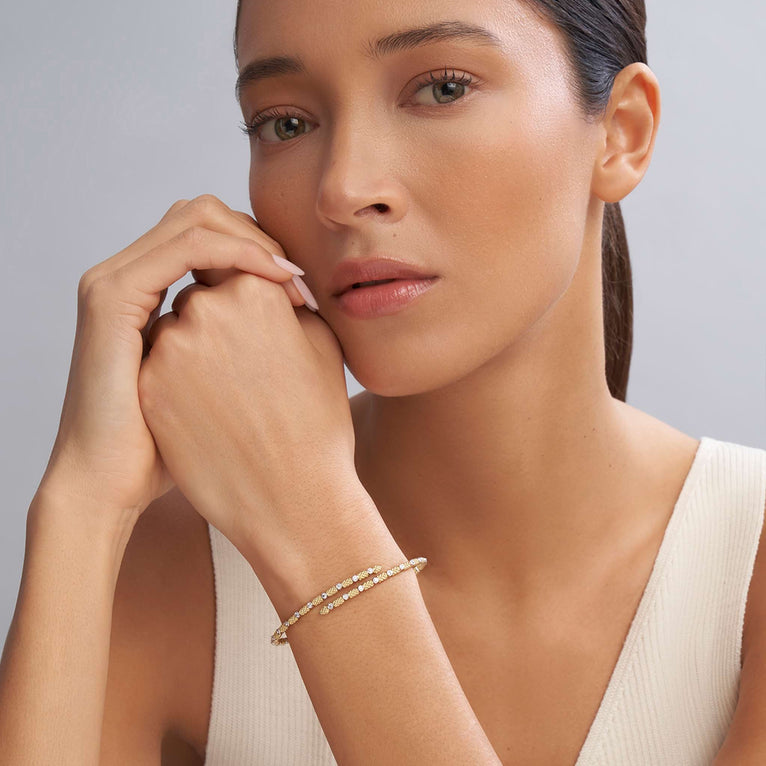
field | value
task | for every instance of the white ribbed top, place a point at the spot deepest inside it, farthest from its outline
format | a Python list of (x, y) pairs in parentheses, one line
[(671, 695)]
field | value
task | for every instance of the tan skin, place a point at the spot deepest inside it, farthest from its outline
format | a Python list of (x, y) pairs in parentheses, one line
[(487, 435)]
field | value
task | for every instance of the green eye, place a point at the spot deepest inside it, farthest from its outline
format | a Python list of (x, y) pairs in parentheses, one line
[(287, 129), (449, 86), (456, 85)]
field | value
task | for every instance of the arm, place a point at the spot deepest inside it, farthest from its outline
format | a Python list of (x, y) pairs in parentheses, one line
[(376, 671), (54, 676), (54, 665)]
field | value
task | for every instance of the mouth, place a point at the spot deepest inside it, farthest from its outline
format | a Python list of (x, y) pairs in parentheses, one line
[(365, 274), (375, 282), (381, 297), (357, 285)]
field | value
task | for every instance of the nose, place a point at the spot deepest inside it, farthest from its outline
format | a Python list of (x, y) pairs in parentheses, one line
[(359, 177)]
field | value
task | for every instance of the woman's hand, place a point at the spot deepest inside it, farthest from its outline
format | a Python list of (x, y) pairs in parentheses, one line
[(104, 454), (246, 399)]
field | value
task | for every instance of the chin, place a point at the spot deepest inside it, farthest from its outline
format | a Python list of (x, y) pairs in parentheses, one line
[(396, 371)]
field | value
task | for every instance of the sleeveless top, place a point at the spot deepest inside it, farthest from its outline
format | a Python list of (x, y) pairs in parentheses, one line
[(673, 691)]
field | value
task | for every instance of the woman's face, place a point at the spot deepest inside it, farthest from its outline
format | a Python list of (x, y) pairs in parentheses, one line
[(486, 183)]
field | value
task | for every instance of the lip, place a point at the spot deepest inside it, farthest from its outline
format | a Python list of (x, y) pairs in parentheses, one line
[(351, 271), (384, 299)]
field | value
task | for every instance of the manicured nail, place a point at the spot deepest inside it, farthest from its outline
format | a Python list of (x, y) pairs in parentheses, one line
[(303, 289), (285, 264)]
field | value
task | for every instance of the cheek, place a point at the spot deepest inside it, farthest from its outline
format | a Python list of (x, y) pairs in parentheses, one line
[(498, 201), (270, 195), (508, 188)]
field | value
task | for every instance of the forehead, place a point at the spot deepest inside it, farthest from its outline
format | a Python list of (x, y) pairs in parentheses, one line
[(347, 29)]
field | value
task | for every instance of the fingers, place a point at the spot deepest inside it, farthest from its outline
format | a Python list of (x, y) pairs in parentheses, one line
[(183, 295), (152, 319), (194, 224), (248, 219), (165, 320), (139, 281), (155, 325), (212, 277), (206, 211)]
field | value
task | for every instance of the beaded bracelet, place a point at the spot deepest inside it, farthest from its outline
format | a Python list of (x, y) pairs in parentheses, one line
[(279, 636)]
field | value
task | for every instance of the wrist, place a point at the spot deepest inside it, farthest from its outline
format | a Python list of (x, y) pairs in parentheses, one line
[(349, 536), (66, 514)]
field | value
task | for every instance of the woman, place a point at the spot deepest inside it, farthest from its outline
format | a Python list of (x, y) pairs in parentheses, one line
[(593, 592)]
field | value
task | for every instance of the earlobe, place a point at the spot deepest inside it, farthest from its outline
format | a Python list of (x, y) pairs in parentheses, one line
[(629, 126)]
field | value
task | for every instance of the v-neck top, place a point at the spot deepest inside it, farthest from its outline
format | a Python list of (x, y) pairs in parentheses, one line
[(671, 695)]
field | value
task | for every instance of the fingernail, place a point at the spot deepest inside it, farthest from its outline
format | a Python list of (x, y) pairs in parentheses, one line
[(303, 289), (287, 265)]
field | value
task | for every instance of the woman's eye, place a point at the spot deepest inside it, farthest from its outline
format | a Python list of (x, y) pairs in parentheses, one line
[(285, 127), (444, 88)]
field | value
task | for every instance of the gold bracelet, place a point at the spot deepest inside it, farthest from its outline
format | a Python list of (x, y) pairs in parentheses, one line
[(416, 564), (279, 636)]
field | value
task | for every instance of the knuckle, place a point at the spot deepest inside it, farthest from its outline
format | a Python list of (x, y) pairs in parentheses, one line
[(207, 199), (92, 288), (84, 285), (194, 236), (176, 206), (205, 205), (196, 303), (252, 289), (244, 284), (95, 272)]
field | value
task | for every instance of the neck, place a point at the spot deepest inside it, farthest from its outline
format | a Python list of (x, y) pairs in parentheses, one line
[(523, 471)]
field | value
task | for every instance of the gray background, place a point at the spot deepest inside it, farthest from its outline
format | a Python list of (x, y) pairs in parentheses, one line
[(112, 111)]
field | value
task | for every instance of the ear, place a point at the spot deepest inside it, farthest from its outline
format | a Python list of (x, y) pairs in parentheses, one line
[(630, 125)]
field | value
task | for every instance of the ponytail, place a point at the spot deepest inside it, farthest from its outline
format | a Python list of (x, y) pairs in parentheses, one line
[(618, 300)]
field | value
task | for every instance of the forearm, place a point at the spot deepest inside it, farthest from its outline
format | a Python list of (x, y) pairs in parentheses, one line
[(54, 666), (376, 671)]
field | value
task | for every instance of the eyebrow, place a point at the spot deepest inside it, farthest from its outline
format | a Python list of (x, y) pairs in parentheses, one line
[(277, 66)]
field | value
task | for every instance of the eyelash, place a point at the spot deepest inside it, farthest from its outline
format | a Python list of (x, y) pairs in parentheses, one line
[(253, 127)]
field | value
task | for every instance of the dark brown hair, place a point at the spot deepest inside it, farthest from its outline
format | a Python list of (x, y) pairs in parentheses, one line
[(601, 38)]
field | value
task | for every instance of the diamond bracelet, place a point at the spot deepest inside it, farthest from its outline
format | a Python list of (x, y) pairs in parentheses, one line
[(279, 636)]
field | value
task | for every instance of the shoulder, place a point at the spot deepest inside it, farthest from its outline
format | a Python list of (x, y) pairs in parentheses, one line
[(754, 630), (746, 739), (754, 633), (167, 591)]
